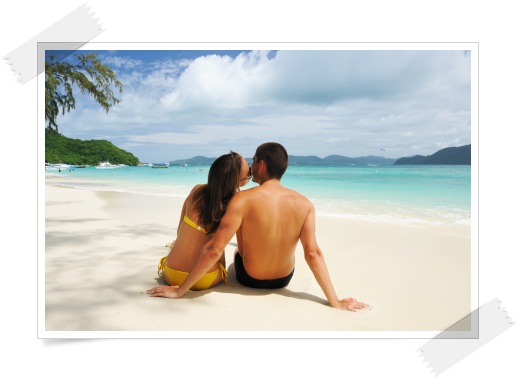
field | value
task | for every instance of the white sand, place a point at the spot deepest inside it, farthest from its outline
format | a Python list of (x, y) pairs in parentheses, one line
[(102, 250)]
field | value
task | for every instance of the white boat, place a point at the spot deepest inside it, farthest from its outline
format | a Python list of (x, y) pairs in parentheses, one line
[(57, 167), (160, 165), (107, 165)]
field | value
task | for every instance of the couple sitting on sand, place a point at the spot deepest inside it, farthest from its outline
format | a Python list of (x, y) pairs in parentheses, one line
[(268, 221)]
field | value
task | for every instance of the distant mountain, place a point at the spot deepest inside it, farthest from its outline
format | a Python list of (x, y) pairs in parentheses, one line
[(302, 160), (310, 159), (339, 160), (195, 161), (368, 160), (448, 156)]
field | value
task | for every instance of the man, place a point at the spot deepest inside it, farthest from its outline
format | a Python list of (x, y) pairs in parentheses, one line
[(268, 221)]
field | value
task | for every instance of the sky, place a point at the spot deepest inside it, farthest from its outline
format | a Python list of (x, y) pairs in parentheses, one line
[(177, 104)]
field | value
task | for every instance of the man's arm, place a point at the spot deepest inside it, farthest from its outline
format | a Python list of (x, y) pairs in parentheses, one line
[(210, 254), (315, 260)]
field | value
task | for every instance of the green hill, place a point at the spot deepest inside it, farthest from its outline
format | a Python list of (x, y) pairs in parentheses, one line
[(61, 149)]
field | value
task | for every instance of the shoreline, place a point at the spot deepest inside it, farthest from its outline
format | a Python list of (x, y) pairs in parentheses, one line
[(378, 211), (102, 250)]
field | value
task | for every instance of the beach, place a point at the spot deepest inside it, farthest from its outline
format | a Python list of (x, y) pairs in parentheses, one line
[(102, 249)]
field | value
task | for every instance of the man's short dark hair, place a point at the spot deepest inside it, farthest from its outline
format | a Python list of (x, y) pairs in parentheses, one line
[(275, 157)]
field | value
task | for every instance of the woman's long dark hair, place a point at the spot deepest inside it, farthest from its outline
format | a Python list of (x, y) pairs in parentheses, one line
[(211, 200)]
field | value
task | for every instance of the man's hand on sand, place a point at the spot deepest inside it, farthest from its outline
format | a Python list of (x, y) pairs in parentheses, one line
[(170, 292), (351, 304)]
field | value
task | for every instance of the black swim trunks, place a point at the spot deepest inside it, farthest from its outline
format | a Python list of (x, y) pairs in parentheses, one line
[(249, 281)]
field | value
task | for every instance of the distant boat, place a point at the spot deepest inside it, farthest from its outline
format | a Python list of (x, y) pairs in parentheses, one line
[(160, 165), (107, 165), (57, 166), (81, 166), (184, 165)]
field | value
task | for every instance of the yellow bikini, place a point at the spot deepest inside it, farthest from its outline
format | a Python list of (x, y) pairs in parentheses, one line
[(188, 221), (176, 278)]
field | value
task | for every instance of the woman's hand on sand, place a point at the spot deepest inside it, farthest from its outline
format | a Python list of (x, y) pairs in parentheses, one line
[(170, 292), (351, 304)]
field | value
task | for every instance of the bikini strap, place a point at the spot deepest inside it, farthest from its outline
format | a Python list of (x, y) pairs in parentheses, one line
[(225, 275)]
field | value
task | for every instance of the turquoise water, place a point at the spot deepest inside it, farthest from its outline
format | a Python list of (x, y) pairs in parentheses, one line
[(396, 194)]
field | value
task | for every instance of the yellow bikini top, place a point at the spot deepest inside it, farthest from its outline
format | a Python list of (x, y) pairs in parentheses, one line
[(188, 221)]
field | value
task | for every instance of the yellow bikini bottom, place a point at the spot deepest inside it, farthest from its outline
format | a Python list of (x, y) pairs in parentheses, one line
[(176, 278)]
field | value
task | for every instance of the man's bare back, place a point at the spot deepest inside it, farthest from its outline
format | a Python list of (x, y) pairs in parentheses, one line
[(273, 217)]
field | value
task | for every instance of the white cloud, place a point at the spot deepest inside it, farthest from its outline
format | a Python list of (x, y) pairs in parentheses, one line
[(214, 82)]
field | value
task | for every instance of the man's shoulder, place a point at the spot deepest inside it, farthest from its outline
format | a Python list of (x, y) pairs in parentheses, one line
[(242, 195), (297, 195)]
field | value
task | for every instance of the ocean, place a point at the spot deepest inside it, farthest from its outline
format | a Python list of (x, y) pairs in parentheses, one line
[(421, 194)]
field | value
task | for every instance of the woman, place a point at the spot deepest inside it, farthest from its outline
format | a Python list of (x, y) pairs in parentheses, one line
[(201, 214)]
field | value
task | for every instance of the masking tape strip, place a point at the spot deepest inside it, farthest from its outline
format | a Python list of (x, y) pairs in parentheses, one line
[(465, 337), (76, 29)]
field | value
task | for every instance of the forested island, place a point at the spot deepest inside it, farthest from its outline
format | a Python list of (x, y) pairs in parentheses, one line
[(61, 149)]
